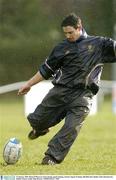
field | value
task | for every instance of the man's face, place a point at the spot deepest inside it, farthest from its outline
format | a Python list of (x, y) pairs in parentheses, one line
[(71, 33)]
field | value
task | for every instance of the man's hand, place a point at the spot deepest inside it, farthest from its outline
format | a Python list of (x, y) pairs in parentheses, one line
[(24, 89), (34, 80)]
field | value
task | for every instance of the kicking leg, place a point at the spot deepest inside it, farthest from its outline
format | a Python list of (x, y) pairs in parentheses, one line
[(63, 140)]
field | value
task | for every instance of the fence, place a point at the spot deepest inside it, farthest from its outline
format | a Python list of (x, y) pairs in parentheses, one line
[(37, 93)]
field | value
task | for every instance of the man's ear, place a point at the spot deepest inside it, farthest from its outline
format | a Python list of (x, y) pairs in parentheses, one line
[(79, 27)]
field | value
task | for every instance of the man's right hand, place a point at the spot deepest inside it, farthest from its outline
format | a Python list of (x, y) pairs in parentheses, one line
[(34, 80), (24, 89)]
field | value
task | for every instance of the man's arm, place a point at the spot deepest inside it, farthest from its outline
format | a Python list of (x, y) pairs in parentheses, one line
[(54, 61), (27, 86), (109, 50)]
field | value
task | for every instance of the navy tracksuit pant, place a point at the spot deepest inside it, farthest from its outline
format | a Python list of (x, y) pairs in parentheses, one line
[(62, 102)]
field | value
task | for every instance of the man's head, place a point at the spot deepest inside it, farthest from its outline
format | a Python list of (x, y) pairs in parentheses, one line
[(72, 27)]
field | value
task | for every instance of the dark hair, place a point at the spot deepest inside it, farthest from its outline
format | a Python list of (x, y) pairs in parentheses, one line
[(72, 20)]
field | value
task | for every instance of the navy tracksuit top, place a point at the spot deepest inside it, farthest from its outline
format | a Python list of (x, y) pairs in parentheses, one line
[(79, 64)]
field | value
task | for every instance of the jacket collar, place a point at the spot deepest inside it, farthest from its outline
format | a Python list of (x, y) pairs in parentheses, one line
[(83, 36)]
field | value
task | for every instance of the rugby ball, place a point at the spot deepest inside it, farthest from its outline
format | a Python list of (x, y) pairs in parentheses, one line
[(12, 151)]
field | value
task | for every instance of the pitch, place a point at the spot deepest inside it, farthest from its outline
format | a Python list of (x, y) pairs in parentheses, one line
[(92, 153)]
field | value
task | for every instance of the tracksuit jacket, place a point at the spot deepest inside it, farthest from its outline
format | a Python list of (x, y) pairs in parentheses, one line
[(79, 63)]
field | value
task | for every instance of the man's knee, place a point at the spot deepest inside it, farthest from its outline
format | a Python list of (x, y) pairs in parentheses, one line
[(37, 122), (32, 120)]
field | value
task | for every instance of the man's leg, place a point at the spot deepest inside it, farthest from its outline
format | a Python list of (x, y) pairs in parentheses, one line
[(78, 107), (49, 113), (63, 140)]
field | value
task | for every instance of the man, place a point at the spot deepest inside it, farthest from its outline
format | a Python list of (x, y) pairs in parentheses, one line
[(76, 65)]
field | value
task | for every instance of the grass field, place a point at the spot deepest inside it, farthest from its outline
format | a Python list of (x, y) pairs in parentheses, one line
[(93, 153)]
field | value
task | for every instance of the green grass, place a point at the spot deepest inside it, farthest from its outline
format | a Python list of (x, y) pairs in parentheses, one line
[(93, 153)]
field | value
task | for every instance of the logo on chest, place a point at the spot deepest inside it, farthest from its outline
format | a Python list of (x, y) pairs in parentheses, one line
[(90, 48)]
